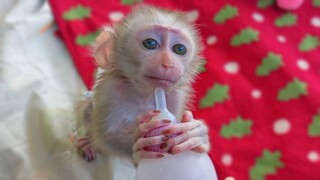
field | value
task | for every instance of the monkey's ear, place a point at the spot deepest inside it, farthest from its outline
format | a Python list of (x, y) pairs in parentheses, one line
[(102, 48)]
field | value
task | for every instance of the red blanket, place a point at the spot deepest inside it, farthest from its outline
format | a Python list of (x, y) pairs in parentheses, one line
[(259, 90)]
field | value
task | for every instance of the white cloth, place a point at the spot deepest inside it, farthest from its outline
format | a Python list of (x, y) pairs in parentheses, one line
[(38, 89)]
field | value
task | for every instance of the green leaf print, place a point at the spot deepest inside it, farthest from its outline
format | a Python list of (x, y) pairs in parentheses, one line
[(287, 19), (129, 2), (270, 63), (236, 128), (78, 12), (316, 3), (202, 66), (293, 90), (84, 40), (225, 13), (309, 43), (267, 164), (217, 94), (314, 127), (265, 3), (246, 36)]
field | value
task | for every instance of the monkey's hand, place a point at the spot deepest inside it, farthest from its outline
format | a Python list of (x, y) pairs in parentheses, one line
[(142, 127), (191, 135)]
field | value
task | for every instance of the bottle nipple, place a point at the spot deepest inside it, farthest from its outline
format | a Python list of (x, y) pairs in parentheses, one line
[(161, 105)]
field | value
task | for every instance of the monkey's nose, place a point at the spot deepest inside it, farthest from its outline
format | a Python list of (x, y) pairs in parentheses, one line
[(166, 66), (167, 63)]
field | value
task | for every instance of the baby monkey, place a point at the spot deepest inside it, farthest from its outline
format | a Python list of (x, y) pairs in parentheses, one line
[(149, 48)]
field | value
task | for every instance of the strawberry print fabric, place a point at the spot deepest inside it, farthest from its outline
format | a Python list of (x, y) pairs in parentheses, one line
[(259, 88)]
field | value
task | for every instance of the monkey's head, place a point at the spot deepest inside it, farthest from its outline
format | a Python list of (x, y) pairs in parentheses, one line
[(151, 47)]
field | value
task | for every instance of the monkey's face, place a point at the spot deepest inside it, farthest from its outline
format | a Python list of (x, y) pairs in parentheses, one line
[(161, 56)]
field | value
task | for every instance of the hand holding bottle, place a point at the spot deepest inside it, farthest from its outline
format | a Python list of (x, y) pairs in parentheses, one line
[(153, 129)]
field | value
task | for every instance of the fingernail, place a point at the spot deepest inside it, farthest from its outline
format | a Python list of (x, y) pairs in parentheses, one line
[(156, 111), (166, 131), (166, 121), (165, 138), (160, 155), (163, 145)]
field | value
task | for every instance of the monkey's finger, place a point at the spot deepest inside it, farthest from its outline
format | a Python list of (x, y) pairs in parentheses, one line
[(203, 148), (180, 138), (148, 155), (83, 142), (87, 152), (183, 127), (90, 154), (148, 126), (184, 137), (150, 141), (93, 153), (82, 139), (186, 145), (147, 116), (186, 117)]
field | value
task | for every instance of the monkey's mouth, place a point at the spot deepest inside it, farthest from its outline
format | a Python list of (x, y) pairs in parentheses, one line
[(160, 81)]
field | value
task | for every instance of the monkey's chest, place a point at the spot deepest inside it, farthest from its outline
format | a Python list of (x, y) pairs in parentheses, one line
[(135, 108), (126, 112)]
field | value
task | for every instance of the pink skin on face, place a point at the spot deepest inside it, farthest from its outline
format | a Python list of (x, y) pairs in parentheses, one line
[(289, 4), (164, 67)]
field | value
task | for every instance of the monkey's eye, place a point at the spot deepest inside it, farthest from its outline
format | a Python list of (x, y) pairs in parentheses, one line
[(150, 44), (179, 49)]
